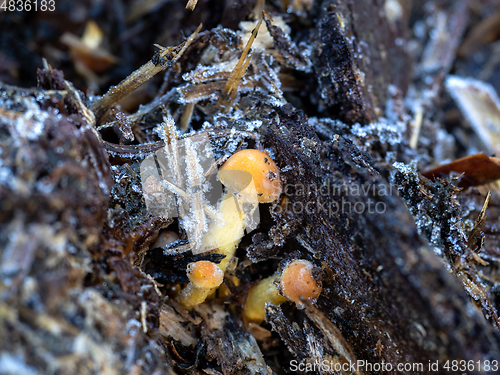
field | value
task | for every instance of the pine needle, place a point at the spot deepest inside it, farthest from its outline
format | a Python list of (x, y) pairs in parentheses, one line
[(231, 89)]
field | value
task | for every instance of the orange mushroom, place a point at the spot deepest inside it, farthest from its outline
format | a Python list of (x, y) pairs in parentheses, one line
[(297, 280), (204, 277), (260, 167)]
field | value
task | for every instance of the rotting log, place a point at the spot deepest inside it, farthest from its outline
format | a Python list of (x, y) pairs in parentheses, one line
[(357, 58), (82, 291), (390, 295)]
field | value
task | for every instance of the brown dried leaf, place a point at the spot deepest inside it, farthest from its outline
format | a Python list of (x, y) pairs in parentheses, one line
[(476, 170)]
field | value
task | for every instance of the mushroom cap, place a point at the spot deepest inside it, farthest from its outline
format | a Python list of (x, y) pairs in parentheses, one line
[(205, 274), (297, 280), (236, 171)]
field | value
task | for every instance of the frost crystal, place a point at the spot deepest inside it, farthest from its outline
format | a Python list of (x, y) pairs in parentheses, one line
[(434, 205), (179, 181), (385, 132)]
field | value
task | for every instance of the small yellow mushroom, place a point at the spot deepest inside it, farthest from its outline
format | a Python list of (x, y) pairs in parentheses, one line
[(295, 281), (204, 277), (250, 177)]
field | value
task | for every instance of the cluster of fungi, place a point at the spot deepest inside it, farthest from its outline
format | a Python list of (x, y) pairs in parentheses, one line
[(252, 177)]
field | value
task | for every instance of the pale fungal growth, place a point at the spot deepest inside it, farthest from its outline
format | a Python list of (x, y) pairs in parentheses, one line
[(295, 282), (165, 238), (251, 177), (204, 277)]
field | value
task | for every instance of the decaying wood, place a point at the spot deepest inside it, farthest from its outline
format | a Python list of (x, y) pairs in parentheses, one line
[(356, 63), (380, 281), (409, 261), (48, 244), (231, 344)]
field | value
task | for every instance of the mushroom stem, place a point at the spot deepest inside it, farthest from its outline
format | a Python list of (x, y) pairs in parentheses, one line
[(265, 291), (224, 237), (204, 277), (192, 296)]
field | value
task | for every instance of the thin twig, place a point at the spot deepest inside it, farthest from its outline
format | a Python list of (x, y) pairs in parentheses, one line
[(163, 59)]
